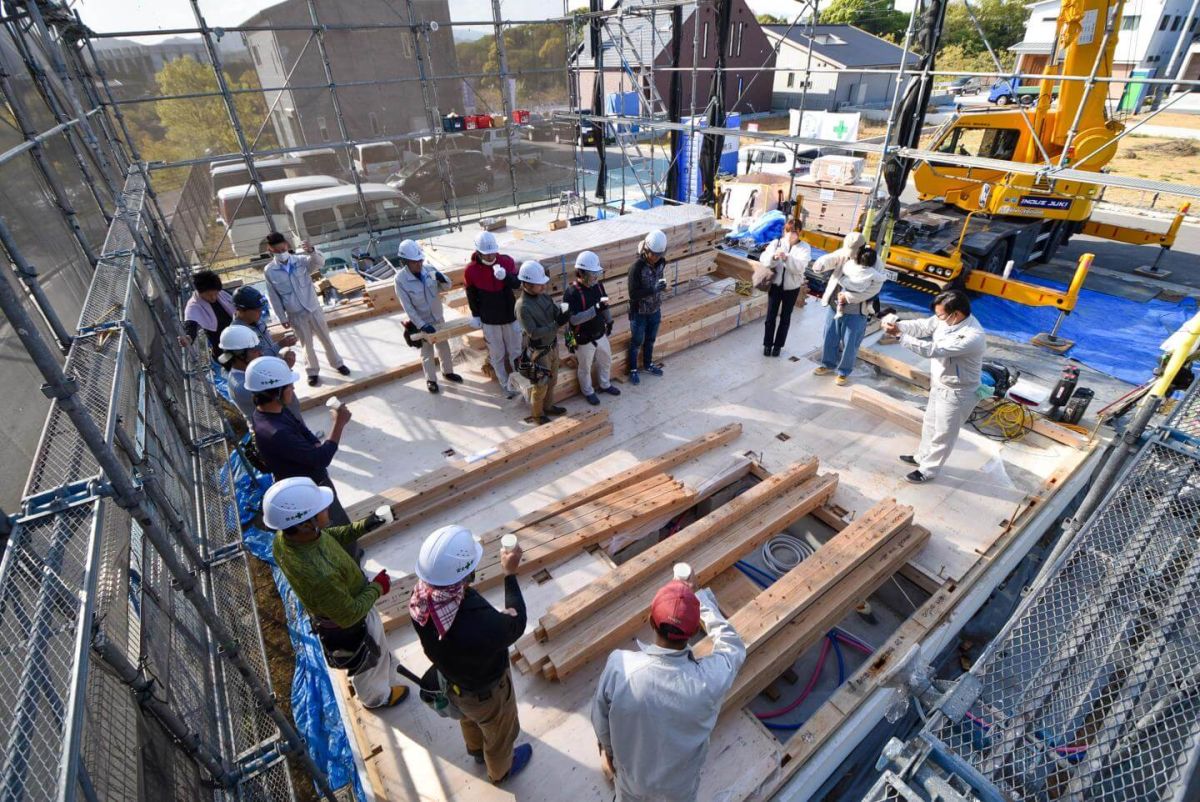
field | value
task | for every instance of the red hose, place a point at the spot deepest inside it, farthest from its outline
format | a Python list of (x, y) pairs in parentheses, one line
[(812, 683)]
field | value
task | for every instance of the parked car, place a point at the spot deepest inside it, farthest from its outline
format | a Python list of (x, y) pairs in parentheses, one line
[(776, 158), (1006, 91), (469, 171), (965, 85), (492, 142)]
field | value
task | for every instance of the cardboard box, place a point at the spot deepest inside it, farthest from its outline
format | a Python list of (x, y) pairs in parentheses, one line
[(837, 169)]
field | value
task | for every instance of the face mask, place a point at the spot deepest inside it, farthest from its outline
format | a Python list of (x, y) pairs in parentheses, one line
[(282, 258), (487, 258)]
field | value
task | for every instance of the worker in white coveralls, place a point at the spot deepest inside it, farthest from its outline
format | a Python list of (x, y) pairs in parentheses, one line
[(656, 708), (419, 287), (294, 300), (954, 342)]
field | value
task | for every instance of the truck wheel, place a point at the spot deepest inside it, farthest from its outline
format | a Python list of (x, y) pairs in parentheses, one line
[(1025, 100), (1004, 100), (993, 261)]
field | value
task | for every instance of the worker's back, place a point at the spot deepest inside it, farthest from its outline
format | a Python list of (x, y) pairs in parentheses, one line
[(657, 708)]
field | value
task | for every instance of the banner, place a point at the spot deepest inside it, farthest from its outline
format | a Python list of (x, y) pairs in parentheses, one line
[(824, 125)]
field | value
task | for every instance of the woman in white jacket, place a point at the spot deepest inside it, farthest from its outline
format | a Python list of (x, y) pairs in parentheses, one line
[(852, 284), (787, 257)]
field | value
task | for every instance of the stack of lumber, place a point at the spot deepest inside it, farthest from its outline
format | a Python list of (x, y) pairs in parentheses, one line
[(413, 501), (688, 319), (601, 616), (788, 617), (551, 518)]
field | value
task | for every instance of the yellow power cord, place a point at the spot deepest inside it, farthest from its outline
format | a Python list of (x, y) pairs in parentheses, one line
[(1010, 418)]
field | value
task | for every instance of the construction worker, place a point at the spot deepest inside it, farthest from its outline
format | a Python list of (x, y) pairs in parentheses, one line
[(851, 287), (954, 342), (467, 641), (646, 287), (655, 709), (294, 299), (491, 282), (248, 307), (284, 442), (787, 256), (340, 601), (591, 324), (210, 309), (241, 345), (540, 318), (419, 287)]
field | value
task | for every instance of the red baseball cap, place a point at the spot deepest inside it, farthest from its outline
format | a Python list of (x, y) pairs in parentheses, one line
[(676, 604)]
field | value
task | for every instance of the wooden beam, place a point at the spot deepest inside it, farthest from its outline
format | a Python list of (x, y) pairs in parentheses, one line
[(895, 367), (884, 406), (617, 621), (318, 397), (909, 571), (778, 652), (414, 500), (658, 558)]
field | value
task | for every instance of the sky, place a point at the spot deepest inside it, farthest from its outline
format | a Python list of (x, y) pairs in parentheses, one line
[(141, 15)]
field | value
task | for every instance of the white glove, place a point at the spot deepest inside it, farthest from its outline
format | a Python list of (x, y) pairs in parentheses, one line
[(475, 322), (499, 272), (565, 307)]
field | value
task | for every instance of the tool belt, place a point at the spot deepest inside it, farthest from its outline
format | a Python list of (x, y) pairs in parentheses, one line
[(435, 692), (528, 363), (352, 650)]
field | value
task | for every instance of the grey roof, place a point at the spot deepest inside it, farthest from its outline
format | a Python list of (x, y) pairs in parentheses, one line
[(644, 41), (861, 49)]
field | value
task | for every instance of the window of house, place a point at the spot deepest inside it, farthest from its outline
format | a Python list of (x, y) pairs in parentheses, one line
[(704, 43), (740, 29), (1131, 22), (323, 127), (1162, 26), (987, 143), (374, 122), (1192, 26), (791, 80), (732, 39), (1178, 21)]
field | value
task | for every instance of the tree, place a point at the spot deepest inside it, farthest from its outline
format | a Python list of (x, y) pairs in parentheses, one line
[(874, 16), (772, 19), (1002, 22), (199, 126)]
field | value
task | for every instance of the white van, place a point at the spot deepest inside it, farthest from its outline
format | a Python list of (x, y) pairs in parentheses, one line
[(232, 174), (334, 213), (775, 158), (243, 216), (377, 160)]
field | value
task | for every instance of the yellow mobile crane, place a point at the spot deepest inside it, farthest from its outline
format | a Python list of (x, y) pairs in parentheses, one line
[(974, 215)]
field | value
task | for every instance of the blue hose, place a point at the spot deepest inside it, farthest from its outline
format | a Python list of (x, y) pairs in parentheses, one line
[(754, 573)]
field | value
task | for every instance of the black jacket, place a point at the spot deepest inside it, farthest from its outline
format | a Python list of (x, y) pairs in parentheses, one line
[(474, 653), (586, 322), (644, 297)]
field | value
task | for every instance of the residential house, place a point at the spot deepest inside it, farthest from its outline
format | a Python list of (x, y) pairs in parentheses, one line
[(1146, 38), (394, 107), (635, 46), (832, 52)]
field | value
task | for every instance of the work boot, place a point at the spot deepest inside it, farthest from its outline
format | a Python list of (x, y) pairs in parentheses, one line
[(821, 370), (433, 388), (766, 350), (453, 377), (521, 757), (918, 478), (399, 694), (314, 380), (654, 370), (634, 378), (342, 369), (539, 420), (909, 458), (775, 351), (554, 409), (477, 754), (840, 381), (593, 399), (610, 390)]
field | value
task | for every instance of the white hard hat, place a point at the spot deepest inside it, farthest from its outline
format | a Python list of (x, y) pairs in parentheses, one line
[(533, 273), (290, 502), (269, 373), (238, 338), (448, 555), (410, 250), (485, 242), (587, 260), (655, 241)]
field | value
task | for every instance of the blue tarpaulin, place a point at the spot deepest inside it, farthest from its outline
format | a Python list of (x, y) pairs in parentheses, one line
[(766, 227), (314, 706), (1113, 335)]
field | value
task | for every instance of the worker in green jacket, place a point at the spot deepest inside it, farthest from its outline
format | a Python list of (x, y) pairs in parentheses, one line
[(327, 580)]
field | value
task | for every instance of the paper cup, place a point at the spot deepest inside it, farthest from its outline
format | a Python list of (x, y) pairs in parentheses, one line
[(384, 513), (508, 542), (682, 572), (334, 403)]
